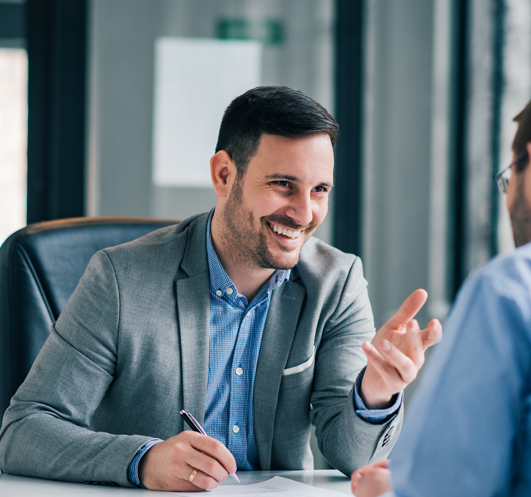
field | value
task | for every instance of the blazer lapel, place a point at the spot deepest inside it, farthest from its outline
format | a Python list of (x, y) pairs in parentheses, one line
[(279, 330), (193, 310), (193, 303)]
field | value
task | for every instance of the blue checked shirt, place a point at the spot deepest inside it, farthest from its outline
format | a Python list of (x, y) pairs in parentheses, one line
[(236, 329)]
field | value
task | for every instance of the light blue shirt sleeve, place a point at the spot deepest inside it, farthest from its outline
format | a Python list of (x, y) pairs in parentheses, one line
[(467, 424), (132, 470), (374, 416)]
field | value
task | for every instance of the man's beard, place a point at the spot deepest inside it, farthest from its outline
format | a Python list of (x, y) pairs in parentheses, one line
[(520, 214), (250, 248)]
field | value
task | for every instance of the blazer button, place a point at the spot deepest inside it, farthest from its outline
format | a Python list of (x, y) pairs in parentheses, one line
[(387, 437)]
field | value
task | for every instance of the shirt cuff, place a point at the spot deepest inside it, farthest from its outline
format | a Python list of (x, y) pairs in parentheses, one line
[(374, 416), (132, 470)]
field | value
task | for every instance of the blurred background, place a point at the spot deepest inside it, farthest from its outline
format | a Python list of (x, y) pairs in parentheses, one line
[(111, 107)]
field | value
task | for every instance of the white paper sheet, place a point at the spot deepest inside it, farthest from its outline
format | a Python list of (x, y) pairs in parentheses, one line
[(195, 80), (277, 486)]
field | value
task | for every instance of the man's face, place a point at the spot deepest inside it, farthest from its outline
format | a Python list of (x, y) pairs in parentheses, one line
[(519, 206), (284, 190)]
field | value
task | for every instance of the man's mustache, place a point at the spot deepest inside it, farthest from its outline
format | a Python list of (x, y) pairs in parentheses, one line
[(287, 222)]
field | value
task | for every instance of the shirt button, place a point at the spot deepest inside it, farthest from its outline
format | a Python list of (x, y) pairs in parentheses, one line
[(219, 293), (229, 290), (235, 429), (239, 371)]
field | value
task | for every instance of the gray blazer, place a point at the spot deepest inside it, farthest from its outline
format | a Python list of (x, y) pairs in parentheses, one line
[(130, 350)]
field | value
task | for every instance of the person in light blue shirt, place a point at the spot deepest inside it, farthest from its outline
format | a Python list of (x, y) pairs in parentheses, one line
[(469, 427)]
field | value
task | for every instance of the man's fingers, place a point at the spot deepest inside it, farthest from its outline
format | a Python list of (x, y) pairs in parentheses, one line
[(378, 464), (386, 371), (409, 309), (200, 480), (432, 334), (208, 456), (216, 450), (209, 468), (371, 480), (382, 464), (169, 465), (395, 368), (354, 481), (400, 362)]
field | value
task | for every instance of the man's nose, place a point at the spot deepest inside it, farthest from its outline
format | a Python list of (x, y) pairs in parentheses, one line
[(300, 208)]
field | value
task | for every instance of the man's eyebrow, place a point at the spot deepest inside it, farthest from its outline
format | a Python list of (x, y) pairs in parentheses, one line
[(282, 176), (294, 179)]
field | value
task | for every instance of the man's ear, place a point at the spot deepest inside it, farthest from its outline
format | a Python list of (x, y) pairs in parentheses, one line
[(223, 173)]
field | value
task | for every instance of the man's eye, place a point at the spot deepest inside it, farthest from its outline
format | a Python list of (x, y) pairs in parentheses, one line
[(320, 189), (282, 183)]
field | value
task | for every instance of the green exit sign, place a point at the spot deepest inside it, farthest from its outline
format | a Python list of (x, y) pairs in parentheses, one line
[(267, 31)]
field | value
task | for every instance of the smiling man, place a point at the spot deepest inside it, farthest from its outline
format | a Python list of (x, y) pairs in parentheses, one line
[(238, 316), (264, 225)]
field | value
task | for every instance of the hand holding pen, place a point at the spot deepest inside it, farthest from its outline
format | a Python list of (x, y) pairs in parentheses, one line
[(188, 462), (195, 426)]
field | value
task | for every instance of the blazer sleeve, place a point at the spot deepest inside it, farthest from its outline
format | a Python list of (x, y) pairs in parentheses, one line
[(346, 440), (45, 431)]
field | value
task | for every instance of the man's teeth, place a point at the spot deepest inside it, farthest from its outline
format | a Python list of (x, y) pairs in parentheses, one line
[(285, 232)]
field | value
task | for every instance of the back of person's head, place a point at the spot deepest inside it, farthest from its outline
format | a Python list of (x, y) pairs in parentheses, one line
[(523, 136), (273, 110)]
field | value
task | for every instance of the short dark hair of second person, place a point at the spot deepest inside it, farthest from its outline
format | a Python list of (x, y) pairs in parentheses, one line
[(523, 136)]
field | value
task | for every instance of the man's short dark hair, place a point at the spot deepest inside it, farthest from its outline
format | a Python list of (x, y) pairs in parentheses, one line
[(523, 136), (273, 110)]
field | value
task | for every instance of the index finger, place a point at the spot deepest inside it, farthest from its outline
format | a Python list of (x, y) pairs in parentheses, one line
[(409, 309), (215, 449)]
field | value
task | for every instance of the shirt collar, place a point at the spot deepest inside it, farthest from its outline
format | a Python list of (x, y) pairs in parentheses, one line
[(220, 280)]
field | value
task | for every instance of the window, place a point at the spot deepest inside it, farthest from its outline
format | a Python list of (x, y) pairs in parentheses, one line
[(13, 136)]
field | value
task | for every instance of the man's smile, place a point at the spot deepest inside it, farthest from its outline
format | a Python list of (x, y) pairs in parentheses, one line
[(283, 231)]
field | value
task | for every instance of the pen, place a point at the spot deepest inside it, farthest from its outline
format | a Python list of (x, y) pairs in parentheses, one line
[(195, 426)]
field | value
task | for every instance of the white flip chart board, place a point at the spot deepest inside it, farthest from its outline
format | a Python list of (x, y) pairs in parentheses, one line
[(195, 80)]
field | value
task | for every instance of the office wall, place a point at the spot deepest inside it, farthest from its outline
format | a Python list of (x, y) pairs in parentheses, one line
[(122, 47), (397, 150), (406, 155)]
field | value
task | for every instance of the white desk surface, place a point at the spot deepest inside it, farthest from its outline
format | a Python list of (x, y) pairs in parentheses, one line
[(18, 486)]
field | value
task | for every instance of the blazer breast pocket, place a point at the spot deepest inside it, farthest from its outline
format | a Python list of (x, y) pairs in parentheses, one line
[(298, 375)]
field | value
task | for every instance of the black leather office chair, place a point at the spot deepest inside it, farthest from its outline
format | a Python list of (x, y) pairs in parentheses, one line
[(40, 266)]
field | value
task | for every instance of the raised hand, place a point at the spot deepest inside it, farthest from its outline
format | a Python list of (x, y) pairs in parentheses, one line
[(396, 353), (170, 465)]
